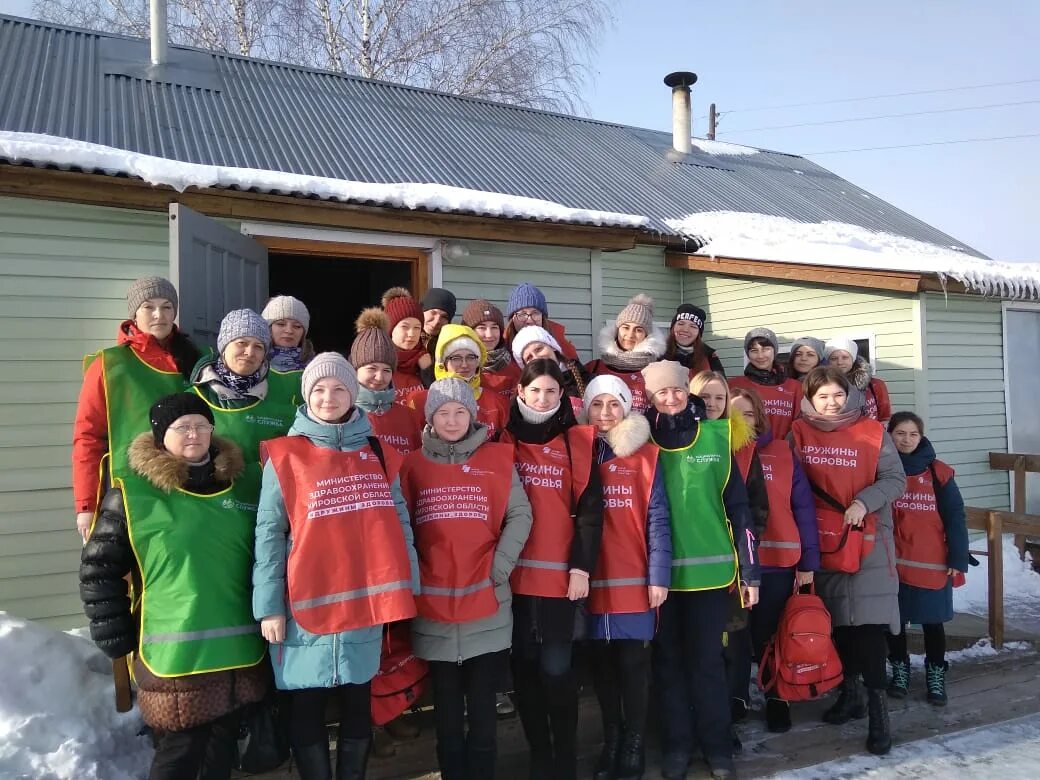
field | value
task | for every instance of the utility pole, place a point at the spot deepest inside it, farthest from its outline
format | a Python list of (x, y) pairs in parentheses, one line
[(713, 119)]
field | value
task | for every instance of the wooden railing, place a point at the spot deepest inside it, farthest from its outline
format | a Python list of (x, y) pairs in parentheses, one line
[(1019, 465)]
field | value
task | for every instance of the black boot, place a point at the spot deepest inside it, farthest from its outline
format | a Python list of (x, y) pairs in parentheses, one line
[(935, 677), (608, 757), (562, 693), (778, 715), (312, 761), (451, 760), (533, 709), (879, 733), (352, 758), (850, 704), (632, 759)]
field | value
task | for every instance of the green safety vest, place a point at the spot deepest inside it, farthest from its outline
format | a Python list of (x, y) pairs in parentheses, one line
[(703, 554), (131, 387), (195, 554)]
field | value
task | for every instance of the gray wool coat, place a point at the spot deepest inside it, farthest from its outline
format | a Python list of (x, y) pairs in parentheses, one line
[(456, 642), (871, 595)]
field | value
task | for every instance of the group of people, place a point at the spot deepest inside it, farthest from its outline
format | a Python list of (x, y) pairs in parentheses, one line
[(264, 513)]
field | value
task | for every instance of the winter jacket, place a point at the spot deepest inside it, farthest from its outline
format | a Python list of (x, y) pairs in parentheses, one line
[(867, 597), (306, 660), (90, 430), (920, 605), (647, 351), (803, 505), (675, 431), (171, 703), (875, 391), (706, 360), (552, 619), (457, 642), (205, 377), (621, 441)]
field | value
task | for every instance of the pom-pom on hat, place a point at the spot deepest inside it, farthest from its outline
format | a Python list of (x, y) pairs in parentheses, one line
[(399, 305), (639, 311), (285, 307), (372, 343)]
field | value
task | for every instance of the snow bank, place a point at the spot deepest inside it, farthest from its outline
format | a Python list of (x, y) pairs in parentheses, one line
[(57, 711), (779, 239), (1021, 586), (982, 649), (721, 147), (66, 153)]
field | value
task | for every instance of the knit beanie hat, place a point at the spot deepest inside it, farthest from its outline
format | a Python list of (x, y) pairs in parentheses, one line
[(399, 305), (639, 311), (242, 323), (816, 345), (372, 343), (690, 313), (761, 333), (526, 296), (285, 307), (665, 373), (842, 343), (610, 385), (483, 310), (150, 287), (451, 389), (529, 334), (439, 298), (170, 408), (326, 365), (455, 338)]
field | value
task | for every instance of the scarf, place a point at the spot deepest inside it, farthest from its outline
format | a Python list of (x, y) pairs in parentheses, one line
[(535, 417), (240, 384), (772, 377), (647, 351), (498, 359), (286, 358), (851, 412), (408, 359), (375, 401)]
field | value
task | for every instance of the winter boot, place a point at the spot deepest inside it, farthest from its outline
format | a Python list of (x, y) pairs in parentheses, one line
[(382, 743), (608, 758), (850, 704), (533, 709), (352, 758), (899, 684), (879, 732), (722, 768), (312, 761), (935, 679), (778, 715), (632, 761), (403, 728)]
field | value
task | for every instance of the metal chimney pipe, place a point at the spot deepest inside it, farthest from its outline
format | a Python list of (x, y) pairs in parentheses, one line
[(160, 48), (682, 118)]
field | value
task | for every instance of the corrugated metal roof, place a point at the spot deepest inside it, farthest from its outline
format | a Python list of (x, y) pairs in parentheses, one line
[(218, 109)]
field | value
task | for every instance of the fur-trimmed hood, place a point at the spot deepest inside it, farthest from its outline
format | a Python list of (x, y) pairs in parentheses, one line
[(860, 374), (628, 435), (647, 351), (167, 472)]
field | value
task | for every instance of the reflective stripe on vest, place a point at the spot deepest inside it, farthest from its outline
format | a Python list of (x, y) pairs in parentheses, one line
[(781, 544), (703, 553), (781, 402), (195, 555), (921, 551), (331, 498), (457, 512)]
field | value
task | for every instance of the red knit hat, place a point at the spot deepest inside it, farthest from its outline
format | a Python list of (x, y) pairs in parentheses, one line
[(399, 305)]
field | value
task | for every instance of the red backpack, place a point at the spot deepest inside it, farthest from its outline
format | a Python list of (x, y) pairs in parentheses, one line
[(401, 678), (801, 663)]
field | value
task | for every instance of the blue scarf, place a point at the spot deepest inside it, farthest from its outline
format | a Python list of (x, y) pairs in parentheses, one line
[(286, 358), (240, 384), (377, 401)]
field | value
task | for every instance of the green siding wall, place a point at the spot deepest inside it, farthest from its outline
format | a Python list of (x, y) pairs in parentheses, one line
[(64, 271), (639, 270), (964, 360)]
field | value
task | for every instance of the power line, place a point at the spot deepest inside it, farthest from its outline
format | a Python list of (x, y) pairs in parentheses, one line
[(884, 116), (928, 143)]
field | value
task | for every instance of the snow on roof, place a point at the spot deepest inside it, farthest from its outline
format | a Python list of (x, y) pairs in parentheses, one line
[(779, 239), (67, 153), (721, 147)]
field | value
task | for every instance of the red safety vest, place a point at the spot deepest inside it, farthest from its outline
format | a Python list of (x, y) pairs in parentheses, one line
[(633, 381), (781, 544), (921, 552), (620, 581), (405, 385), (396, 428), (502, 382), (348, 567), (457, 512), (782, 402), (744, 456), (492, 411), (553, 482)]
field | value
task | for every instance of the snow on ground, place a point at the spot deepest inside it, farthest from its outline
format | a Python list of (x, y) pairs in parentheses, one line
[(721, 147), (779, 239), (982, 649), (57, 713), (1021, 589), (1008, 750), (67, 153)]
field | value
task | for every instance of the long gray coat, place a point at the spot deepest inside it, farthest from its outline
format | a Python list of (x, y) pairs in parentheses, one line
[(871, 595), (456, 642)]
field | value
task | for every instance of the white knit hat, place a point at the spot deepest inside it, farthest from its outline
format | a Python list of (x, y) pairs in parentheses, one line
[(607, 384), (843, 344), (285, 307), (458, 345), (531, 334)]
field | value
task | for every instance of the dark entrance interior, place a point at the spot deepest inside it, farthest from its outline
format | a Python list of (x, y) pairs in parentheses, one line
[(335, 291)]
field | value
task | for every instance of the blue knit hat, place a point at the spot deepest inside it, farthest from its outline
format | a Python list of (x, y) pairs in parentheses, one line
[(240, 323), (526, 296)]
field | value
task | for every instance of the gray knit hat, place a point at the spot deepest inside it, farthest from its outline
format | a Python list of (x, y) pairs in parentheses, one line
[(761, 333), (241, 323), (639, 311), (444, 390), (285, 307), (150, 287), (816, 345), (325, 365)]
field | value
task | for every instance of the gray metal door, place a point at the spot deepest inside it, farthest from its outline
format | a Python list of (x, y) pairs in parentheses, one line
[(1022, 375), (215, 270)]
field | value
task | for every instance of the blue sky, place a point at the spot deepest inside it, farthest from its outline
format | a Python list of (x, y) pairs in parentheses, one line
[(751, 54)]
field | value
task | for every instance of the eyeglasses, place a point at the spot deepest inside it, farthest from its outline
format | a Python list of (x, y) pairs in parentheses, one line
[(457, 361), (527, 316), (197, 430)]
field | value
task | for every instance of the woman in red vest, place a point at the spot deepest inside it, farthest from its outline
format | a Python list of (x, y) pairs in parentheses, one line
[(685, 344), (806, 353), (851, 462), (628, 346), (781, 396), (843, 354), (788, 547), (406, 329), (554, 457), (931, 551), (500, 373), (632, 574), (334, 564), (471, 518)]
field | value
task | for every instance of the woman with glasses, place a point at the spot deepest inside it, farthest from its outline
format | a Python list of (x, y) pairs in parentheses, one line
[(527, 306)]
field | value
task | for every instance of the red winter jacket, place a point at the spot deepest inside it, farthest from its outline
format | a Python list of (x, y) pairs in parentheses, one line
[(558, 333)]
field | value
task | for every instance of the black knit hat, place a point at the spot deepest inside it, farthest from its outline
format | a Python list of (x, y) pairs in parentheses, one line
[(690, 313), (168, 409), (439, 298)]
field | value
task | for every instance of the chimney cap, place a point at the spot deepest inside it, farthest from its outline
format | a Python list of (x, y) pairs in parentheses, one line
[(681, 78)]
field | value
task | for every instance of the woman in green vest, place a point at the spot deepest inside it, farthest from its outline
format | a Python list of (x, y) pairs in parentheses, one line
[(180, 522), (713, 550)]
